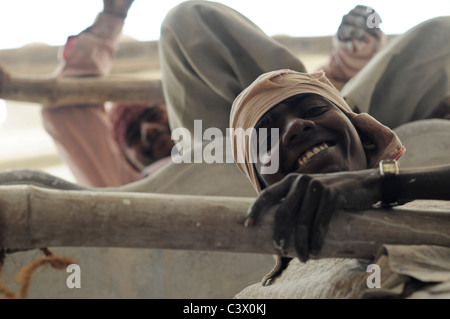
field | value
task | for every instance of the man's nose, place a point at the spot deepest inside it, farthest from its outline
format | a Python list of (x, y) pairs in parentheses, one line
[(296, 130)]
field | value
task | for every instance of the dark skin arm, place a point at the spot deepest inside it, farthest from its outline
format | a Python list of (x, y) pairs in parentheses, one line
[(425, 183), (304, 204)]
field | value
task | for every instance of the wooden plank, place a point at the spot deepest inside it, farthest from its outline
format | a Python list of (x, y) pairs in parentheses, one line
[(51, 92), (33, 217), (135, 56), (131, 56)]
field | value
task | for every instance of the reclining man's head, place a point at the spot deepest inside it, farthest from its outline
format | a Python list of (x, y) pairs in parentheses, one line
[(315, 137), (318, 132)]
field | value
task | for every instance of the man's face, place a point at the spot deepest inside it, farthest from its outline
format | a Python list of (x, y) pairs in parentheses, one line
[(148, 139), (314, 137)]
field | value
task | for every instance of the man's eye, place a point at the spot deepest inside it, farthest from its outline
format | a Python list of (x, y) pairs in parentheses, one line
[(315, 111)]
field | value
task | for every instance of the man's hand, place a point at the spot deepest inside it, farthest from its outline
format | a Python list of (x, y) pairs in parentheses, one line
[(117, 7), (304, 205), (357, 24)]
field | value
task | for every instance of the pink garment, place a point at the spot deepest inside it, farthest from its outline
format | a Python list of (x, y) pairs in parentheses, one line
[(82, 133)]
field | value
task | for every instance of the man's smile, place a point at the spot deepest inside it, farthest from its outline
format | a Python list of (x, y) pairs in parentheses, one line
[(310, 153)]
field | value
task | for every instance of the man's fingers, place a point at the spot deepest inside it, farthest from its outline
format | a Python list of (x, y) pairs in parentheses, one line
[(301, 237), (286, 214), (348, 32), (305, 218), (355, 21), (267, 199), (358, 23), (329, 204), (361, 10)]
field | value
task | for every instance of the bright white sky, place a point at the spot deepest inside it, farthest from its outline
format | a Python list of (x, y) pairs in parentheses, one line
[(51, 21)]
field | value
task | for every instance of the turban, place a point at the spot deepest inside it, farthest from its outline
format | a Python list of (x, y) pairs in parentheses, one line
[(274, 87)]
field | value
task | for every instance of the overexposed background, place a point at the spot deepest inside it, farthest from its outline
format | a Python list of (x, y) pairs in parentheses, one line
[(51, 21), (24, 143)]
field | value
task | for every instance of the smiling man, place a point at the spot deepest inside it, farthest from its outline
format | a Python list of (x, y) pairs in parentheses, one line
[(319, 134), (330, 159), (317, 137), (213, 58)]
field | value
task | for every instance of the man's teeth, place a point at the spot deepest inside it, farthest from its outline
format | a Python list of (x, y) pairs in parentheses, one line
[(310, 153)]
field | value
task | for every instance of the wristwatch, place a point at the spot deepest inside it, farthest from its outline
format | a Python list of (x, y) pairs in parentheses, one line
[(390, 186)]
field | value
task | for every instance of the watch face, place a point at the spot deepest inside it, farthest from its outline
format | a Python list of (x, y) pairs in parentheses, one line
[(389, 167)]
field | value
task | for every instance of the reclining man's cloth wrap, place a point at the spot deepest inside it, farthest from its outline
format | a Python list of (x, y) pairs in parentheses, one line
[(272, 88)]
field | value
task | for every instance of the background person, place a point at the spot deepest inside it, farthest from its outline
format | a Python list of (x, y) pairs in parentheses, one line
[(106, 148)]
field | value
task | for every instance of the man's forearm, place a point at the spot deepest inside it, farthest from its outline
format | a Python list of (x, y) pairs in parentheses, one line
[(425, 183)]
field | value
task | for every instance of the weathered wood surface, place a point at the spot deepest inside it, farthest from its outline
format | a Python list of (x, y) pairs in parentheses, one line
[(132, 56), (51, 92), (26, 73), (33, 217), (136, 56)]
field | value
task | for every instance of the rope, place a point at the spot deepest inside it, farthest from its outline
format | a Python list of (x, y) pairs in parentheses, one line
[(40, 179), (4, 290), (25, 275)]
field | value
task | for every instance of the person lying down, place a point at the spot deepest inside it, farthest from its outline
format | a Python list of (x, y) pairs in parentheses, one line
[(327, 158)]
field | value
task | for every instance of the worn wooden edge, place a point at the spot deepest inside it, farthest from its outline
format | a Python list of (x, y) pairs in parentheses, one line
[(33, 217), (56, 92), (135, 56)]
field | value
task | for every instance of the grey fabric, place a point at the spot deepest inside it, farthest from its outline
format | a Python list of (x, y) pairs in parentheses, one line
[(209, 53), (316, 279), (405, 272), (427, 142), (215, 179), (408, 78)]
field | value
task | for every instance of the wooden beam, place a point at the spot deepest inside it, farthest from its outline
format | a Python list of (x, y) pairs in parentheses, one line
[(52, 92), (131, 57), (135, 56), (34, 217)]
